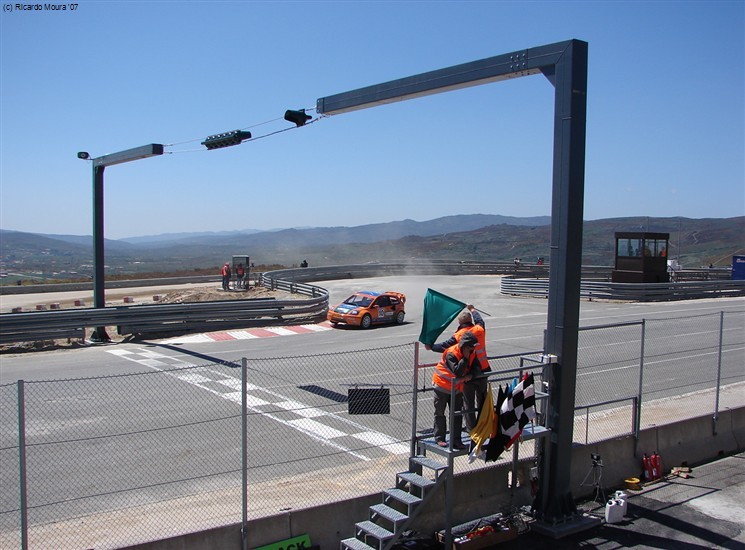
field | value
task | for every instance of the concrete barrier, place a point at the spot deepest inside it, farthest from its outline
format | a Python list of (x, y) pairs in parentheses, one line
[(691, 441), (483, 492)]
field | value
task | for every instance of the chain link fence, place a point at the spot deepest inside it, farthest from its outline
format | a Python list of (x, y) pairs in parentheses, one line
[(114, 461), (654, 372), (10, 492)]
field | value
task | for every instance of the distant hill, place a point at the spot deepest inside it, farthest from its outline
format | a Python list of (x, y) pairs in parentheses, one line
[(173, 237), (476, 237), (87, 241), (311, 236)]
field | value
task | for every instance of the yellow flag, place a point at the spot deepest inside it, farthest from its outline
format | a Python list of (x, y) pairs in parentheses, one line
[(482, 431)]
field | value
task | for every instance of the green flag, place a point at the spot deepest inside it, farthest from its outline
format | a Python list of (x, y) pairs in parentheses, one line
[(439, 312)]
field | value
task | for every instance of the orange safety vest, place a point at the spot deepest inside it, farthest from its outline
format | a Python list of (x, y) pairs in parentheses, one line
[(480, 334), (225, 271), (443, 377)]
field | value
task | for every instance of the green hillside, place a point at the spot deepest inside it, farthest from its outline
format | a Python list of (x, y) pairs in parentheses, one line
[(695, 242)]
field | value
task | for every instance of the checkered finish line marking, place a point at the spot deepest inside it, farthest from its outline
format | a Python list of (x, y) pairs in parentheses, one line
[(249, 333), (311, 421)]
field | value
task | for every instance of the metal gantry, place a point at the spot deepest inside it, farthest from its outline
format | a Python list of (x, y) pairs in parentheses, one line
[(99, 164), (564, 64)]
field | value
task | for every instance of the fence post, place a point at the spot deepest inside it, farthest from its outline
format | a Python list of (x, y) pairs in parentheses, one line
[(715, 420), (449, 481), (244, 455), (412, 448), (638, 423), (22, 463)]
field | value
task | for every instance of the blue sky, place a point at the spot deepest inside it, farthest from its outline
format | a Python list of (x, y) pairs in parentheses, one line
[(665, 117)]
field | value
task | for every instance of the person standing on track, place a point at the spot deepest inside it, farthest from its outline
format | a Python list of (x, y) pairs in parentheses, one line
[(240, 277), (226, 276)]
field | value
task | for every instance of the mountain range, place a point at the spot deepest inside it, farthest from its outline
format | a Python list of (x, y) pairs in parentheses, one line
[(483, 237)]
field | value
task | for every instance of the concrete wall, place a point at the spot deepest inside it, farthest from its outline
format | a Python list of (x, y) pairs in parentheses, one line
[(486, 492), (691, 441)]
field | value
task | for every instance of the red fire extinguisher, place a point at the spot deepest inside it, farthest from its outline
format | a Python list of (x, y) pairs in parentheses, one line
[(656, 465), (647, 468)]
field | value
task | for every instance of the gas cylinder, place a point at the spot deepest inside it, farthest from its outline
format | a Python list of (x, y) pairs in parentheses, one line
[(646, 468), (656, 465)]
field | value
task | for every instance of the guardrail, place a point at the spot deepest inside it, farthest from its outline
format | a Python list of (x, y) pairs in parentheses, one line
[(638, 292), (405, 267), (371, 269), (201, 316), (522, 279)]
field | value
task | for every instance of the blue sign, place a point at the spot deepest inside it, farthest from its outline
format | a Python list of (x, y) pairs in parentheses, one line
[(738, 268)]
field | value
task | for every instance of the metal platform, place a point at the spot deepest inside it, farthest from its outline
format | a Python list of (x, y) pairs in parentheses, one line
[(530, 431)]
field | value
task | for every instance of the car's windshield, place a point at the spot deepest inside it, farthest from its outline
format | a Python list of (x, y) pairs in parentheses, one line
[(358, 300)]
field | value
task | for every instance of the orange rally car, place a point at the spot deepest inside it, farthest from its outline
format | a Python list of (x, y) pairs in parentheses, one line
[(367, 308)]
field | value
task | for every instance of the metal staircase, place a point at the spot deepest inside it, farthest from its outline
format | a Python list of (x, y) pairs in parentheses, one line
[(401, 503)]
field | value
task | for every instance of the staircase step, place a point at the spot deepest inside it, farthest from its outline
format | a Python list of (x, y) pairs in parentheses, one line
[(388, 513), (430, 463), (401, 496), (432, 447), (355, 544), (415, 480), (374, 530)]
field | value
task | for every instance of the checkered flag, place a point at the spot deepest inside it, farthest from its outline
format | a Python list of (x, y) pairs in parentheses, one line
[(516, 409), (495, 446)]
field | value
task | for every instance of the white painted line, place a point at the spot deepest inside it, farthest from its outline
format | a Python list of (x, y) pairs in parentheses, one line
[(281, 331), (241, 334), (383, 441), (193, 378), (120, 352), (151, 354), (300, 409), (233, 396), (305, 426), (235, 384), (253, 401), (316, 428), (154, 363), (316, 328), (193, 339)]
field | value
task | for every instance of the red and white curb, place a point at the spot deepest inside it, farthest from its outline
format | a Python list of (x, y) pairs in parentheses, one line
[(249, 333)]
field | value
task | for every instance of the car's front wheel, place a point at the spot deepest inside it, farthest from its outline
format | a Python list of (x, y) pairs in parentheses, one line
[(366, 321), (400, 318)]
